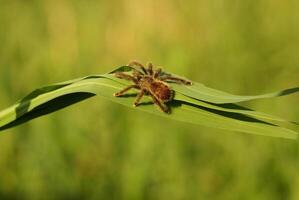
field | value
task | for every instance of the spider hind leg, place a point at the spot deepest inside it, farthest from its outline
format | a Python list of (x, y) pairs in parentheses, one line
[(157, 73), (176, 80), (161, 105)]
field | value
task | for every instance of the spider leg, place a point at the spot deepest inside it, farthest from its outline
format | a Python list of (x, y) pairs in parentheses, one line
[(122, 75), (157, 73), (161, 105), (138, 98), (150, 68), (135, 63), (176, 80), (137, 74), (120, 93)]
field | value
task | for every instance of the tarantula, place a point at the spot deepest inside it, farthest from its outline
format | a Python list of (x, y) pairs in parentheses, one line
[(150, 82)]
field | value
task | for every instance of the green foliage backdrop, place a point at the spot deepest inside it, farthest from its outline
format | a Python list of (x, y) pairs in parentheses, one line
[(101, 150)]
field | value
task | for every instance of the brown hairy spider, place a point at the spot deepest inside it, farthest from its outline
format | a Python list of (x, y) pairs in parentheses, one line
[(150, 82)]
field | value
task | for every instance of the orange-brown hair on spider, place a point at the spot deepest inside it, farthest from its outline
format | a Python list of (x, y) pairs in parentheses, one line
[(150, 82)]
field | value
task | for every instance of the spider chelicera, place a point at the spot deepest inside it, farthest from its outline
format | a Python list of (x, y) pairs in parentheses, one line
[(150, 82)]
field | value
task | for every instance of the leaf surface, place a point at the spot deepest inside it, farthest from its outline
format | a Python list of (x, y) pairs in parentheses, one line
[(186, 106)]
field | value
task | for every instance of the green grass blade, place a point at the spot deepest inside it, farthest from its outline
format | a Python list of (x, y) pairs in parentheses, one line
[(42, 109), (232, 108), (44, 103), (201, 92)]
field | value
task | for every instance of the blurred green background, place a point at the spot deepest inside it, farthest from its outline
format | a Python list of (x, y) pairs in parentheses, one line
[(101, 150)]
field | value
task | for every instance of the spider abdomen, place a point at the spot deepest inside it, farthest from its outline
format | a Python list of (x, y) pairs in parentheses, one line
[(161, 91)]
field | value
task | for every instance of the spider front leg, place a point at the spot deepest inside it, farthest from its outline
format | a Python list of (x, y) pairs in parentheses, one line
[(138, 98), (150, 68), (176, 80), (135, 63), (122, 92), (127, 77)]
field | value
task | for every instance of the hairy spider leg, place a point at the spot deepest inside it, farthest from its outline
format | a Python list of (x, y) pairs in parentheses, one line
[(122, 92), (176, 80), (137, 74), (135, 63), (139, 97), (157, 72), (150, 68), (161, 105), (128, 77)]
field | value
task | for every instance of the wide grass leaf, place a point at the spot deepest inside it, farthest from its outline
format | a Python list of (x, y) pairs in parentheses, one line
[(230, 107), (185, 107)]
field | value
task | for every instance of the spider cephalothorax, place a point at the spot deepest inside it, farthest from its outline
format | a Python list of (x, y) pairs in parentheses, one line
[(150, 82)]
